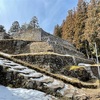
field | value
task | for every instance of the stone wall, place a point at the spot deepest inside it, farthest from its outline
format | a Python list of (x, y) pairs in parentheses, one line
[(32, 35), (23, 46), (52, 43), (14, 46), (59, 45), (52, 61), (19, 76), (23, 77), (36, 47), (2, 34)]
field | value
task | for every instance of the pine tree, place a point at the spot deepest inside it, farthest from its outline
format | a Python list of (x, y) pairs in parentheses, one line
[(34, 23), (14, 28), (58, 31), (68, 27), (92, 24), (81, 17), (82, 26), (2, 28)]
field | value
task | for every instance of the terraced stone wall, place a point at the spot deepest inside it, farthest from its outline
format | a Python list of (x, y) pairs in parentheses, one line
[(37, 47), (53, 61), (33, 35), (13, 46), (19, 76), (61, 46)]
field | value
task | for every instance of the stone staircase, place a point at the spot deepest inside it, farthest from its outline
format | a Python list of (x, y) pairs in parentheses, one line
[(17, 75)]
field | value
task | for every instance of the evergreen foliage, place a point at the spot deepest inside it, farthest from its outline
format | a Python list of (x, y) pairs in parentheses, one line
[(82, 26), (58, 31)]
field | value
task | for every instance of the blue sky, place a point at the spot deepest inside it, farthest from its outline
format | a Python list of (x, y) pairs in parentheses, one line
[(49, 12)]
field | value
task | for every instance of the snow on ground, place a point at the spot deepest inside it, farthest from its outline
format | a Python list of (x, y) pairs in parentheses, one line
[(7, 93)]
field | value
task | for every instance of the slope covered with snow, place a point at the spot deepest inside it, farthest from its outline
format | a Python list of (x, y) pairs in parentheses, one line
[(7, 93)]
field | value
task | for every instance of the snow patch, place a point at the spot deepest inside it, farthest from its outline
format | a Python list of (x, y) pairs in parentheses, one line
[(7, 93)]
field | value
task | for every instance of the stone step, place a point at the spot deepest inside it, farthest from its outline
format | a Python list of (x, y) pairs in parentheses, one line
[(33, 75), (44, 79), (47, 80), (24, 71), (1, 58), (37, 77), (56, 85), (66, 90), (14, 67)]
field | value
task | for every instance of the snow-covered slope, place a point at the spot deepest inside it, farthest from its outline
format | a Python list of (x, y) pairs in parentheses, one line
[(7, 93)]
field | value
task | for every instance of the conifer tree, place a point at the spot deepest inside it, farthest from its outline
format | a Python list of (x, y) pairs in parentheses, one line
[(68, 27), (82, 26), (58, 31), (92, 28), (81, 17)]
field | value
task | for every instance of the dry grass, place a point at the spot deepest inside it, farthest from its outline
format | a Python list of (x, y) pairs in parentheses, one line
[(49, 53), (40, 53), (15, 40), (95, 65), (73, 81), (76, 67)]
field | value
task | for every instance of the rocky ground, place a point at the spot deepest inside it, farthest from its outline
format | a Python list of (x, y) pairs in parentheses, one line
[(93, 94)]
